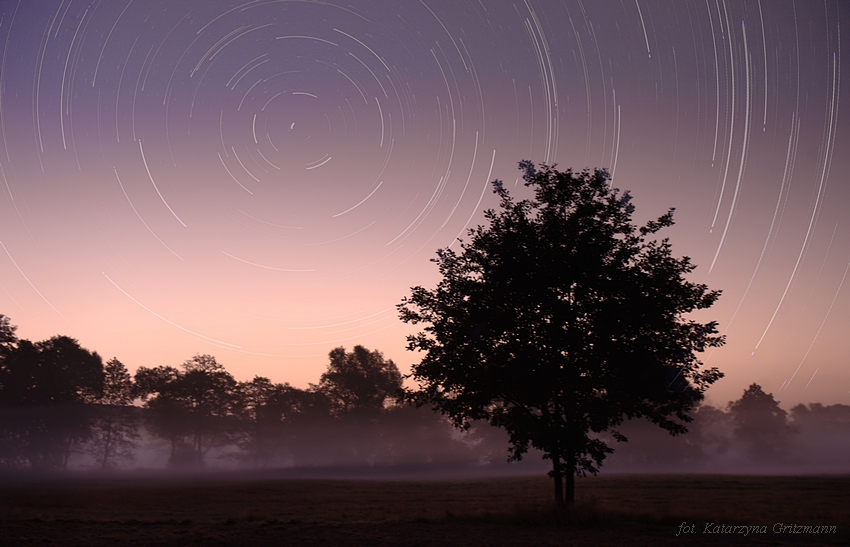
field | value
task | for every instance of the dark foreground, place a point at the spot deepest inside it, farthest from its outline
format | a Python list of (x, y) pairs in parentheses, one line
[(253, 510)]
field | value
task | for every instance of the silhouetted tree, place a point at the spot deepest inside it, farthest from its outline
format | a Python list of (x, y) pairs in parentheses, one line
[(269, 412), (761, 424), (7, 334), (45, 388), (815, 414), (360, 381), (114, 432), (196, 408), (716, 430), (65, 373), (212, 395), (311, 425), (165, 415), (10, 453), (560, 319), (359, 385)]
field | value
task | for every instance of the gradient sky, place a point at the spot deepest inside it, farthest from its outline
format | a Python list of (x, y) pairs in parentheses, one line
[(264, 181)]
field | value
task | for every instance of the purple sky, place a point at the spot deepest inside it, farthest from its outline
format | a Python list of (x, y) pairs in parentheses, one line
[(264, 181)]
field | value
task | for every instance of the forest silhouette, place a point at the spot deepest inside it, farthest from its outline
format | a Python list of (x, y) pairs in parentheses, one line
[(63, 408)]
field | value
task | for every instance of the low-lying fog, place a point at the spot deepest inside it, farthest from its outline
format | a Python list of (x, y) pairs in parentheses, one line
[(62, 410), (407, 442)]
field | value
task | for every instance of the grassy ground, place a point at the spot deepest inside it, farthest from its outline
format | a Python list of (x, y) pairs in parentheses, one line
[(240, 509)]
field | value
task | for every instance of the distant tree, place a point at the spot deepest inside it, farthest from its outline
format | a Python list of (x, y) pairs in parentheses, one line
[(256, 395), (66, 372), (559, 320), (360, 385), (9, 447), (360, 381), (268, 413), (214, 402), (150, 381), (195, 408), (11, 453), (114, 432), (832, 416), (7, 334), (761, 424), (716, 430), (823, 435), (164, 414), (313, 429), (45, 390)]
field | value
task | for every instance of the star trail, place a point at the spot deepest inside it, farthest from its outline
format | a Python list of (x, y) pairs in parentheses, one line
[(265, 180)]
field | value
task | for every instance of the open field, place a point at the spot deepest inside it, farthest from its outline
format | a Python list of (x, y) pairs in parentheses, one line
[(269, 509)]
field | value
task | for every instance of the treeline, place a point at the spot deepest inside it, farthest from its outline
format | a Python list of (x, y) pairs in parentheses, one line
[(752, 434), (62, 407)]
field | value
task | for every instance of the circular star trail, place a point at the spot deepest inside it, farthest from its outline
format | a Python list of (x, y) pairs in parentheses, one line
[(265, 180)]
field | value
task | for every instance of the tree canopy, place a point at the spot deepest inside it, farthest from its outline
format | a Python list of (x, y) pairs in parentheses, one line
[(7, 333), (44, 389), (114, 431), (197, 403), (559, 320), (761, 424), (359, 381)]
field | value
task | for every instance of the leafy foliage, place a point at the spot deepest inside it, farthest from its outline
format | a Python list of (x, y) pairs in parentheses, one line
[(359, 381), (7, 333), (44, 389), (559, 320), (195, 408), (270, 412), (761, 424), (114, 431)]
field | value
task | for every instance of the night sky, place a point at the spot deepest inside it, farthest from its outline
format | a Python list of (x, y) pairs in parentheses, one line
[(264, 181)]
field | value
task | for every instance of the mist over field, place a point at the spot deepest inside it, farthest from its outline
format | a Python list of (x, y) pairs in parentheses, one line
[(89, 453), (62, 409), (406, 442), (414, 442)]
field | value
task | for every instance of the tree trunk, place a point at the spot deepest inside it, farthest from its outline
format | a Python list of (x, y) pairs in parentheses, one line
[(66, 453), (570, 472), (107, 446), (559, 484)]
